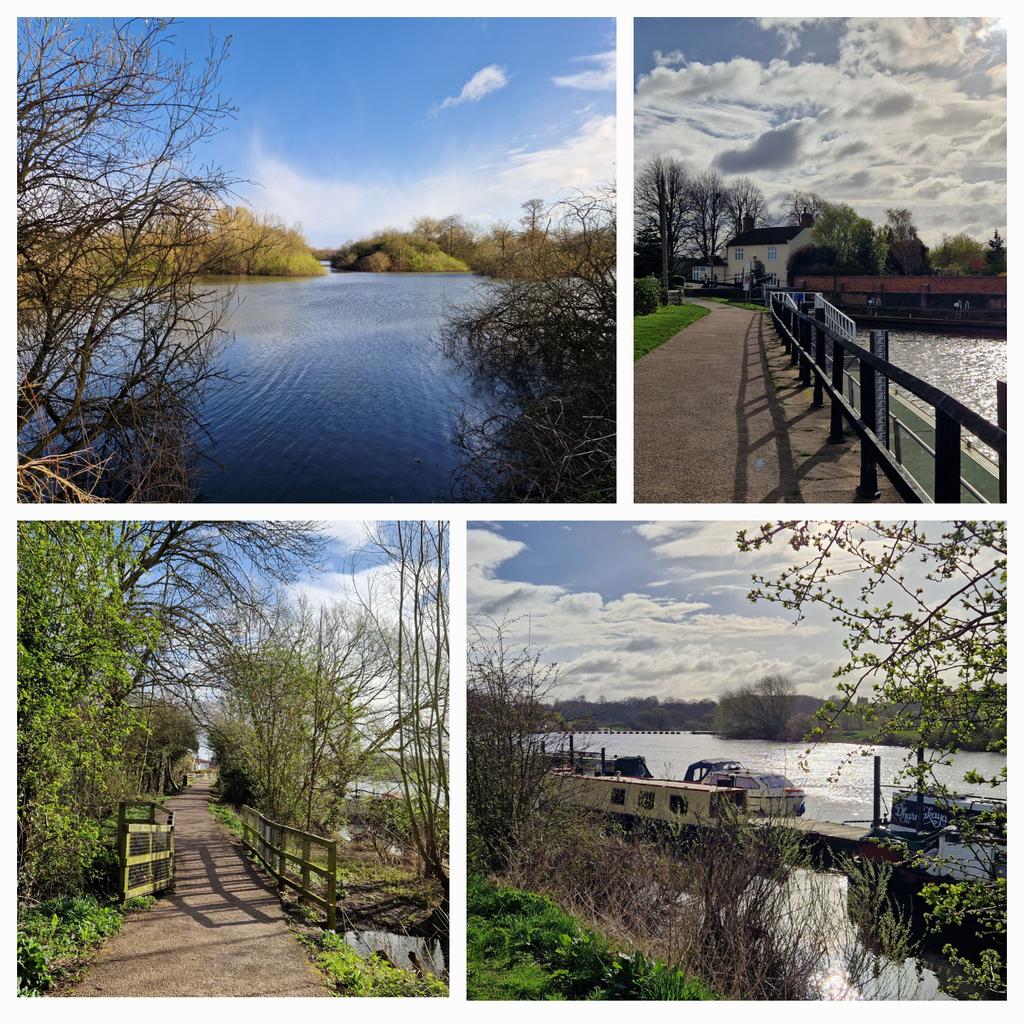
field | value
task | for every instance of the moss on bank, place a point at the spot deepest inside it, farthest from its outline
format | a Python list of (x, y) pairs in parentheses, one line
[(521, 945)]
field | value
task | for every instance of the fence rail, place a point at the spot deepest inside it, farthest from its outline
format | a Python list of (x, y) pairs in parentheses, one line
[(145, 848), (822, 353), (280, 847)]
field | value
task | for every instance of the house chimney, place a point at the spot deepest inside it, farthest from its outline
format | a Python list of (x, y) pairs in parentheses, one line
[(748, 223), (806, 219)]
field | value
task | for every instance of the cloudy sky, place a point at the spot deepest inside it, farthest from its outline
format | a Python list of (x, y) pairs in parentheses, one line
[(352, 125), (639, 609), (871, 112)]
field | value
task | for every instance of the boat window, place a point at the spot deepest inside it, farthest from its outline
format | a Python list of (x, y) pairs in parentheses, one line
[(646, 801), (776, 781), (618, 796), (678, 804), (745, 782)]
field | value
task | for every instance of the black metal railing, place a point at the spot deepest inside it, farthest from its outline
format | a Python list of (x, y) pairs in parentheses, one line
[(822, 356)]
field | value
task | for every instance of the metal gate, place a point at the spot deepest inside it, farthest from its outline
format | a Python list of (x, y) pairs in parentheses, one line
[(145, 847)]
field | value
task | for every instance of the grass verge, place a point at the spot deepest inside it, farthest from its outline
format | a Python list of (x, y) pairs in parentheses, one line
[(57, 937), (656, 328), (756, 306), (521, 945), (355, 975)]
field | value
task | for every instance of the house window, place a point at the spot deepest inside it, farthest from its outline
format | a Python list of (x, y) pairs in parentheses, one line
[(646, 801), (738, 255), (773, 253), (678, 804), (618, 796)]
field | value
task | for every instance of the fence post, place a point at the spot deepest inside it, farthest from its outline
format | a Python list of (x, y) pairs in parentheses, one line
[(820, 359), (281, 862), (305, 862), (171, 872), (794, 330), (122, 847), (868, 486), (332, 884), (947, 457)]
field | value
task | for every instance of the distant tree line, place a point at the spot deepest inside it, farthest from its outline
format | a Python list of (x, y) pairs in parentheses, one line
[(767, 709), (680, 214)]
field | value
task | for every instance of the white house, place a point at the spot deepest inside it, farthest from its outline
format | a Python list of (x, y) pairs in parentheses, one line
[(772, 246)]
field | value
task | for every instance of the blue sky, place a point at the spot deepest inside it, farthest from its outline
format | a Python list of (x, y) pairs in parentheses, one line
[(654, 608), (350, 125), (872, 112)]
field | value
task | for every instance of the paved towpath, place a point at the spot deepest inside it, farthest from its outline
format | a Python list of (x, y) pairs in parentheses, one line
[(720, 416), (221, 932)]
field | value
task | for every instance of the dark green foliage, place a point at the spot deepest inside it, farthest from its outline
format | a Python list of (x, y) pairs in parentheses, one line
[(646, 296), (522, 946), (995, 256), (56, 936)]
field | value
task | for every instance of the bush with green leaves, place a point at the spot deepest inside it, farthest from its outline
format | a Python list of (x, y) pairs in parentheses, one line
[(57, 936), (646, 296)]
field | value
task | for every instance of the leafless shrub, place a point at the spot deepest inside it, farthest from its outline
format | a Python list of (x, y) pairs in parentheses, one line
[(116, 337), (542, 340)]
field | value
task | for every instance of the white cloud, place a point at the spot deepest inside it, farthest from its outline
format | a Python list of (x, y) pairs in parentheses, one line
[(904, 99), (594, 79), (334, 209), (485, 81)]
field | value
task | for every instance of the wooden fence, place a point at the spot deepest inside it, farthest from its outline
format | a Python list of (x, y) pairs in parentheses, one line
[(145, 847), (298, 860)]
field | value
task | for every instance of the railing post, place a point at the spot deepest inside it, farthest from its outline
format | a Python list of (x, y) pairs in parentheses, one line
[(332, 885), (947, 457), (170, 846), (1001, 423), (836, 435), (820, 358), (805, 348), (868, 486)]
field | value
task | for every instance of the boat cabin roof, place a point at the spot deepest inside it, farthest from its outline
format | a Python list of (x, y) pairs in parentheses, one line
[(648, 783)]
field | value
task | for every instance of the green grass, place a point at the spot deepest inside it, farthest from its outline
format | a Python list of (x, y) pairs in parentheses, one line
[(656, 328), (227, 816), (56, 938), (355, 975), (756, 306), (521, 945)]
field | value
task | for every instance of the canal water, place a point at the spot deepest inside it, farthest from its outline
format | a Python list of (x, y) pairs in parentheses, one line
[(340, 392), (837, 780), (965, 367)]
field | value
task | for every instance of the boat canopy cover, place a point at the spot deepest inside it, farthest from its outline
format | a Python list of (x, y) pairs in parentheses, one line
[(699, 769)]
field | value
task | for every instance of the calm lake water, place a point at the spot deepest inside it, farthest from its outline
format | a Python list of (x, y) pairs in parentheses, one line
[(846, 799), (966, 368), (341, 393)]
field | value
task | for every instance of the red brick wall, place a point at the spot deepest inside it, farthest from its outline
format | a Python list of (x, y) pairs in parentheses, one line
[(881, 285)]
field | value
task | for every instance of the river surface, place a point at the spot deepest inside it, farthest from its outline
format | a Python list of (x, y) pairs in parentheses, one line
[(340, 393), (838, 781), (846, 798), (965, 367)]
